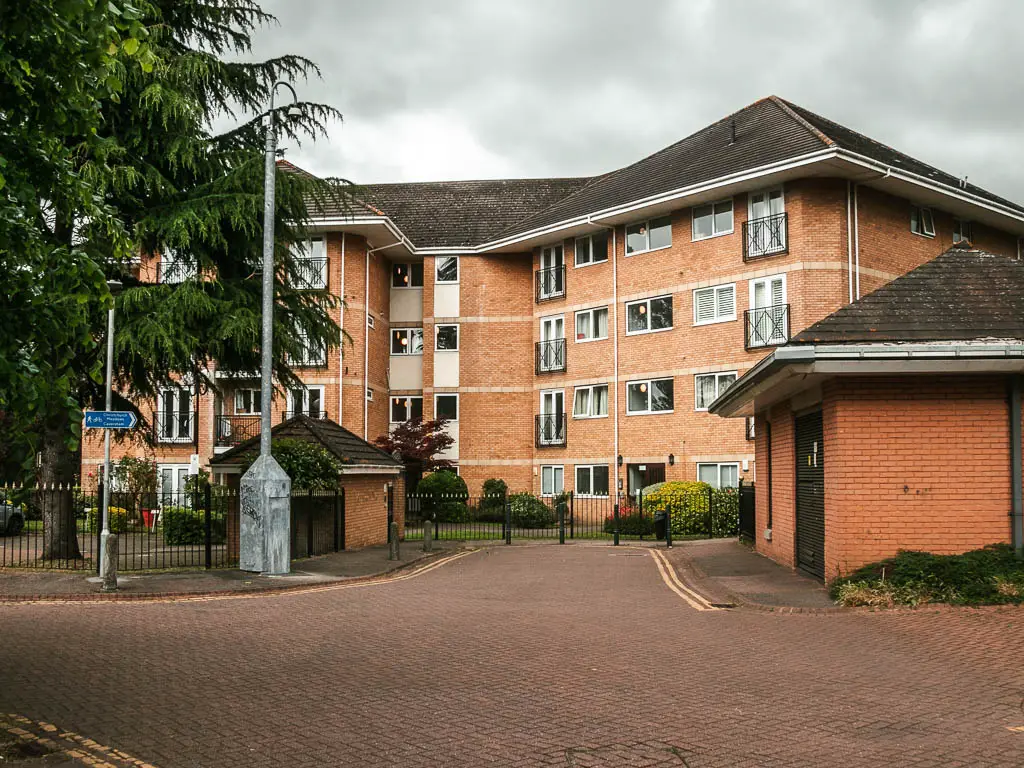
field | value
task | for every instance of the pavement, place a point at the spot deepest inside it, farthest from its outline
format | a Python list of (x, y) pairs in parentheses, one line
[(582, 655)]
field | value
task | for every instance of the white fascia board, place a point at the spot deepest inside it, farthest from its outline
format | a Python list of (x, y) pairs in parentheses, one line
[(371, 470)]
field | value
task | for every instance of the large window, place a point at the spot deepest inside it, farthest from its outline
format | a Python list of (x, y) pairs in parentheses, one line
[(446, 407), (407, 275), (649, 235), (591, 479), (247, 401), (306, 401), (174, 416), (407, 341), (712, 220), (649, 315), (174, 267), (962, 232), (446, 338), (591, 249), (726, 475), (446, 269), (716, 304), (406, 408), (312, 353), (309, 269), (552, 480), (650, 396), (922, 222), (592, 324), (590, 402), (709, 386)]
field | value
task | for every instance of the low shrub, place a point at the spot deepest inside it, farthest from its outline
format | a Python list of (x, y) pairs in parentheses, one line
[(687, 504), (988, 576), (118, 517), (492, 504), (631, 524), (183, 526), (528, 511), (443, 496)]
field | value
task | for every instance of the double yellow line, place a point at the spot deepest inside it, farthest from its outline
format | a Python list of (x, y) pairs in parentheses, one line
[(668, 574)]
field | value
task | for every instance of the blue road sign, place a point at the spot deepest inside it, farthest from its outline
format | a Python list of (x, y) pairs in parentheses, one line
[(110, 419)]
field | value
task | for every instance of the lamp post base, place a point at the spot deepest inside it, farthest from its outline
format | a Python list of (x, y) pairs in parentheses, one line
[(264, 544)]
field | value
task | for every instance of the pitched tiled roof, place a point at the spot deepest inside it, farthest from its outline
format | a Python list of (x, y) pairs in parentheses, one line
[(963, 295), (349, 449)]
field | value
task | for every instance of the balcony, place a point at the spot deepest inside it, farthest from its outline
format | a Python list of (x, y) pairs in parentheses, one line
[(767, 236), (766, 326), (309, 274), (174, 271), (174, 426), (233, 430), (550, 430), (550, 356), (306, 412), (550, 283)]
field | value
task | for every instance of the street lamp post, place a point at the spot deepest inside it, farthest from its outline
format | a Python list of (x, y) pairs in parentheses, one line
[(265, 519), (115, 288)]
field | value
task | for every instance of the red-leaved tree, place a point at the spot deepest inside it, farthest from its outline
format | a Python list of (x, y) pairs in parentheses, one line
[(418, 443)]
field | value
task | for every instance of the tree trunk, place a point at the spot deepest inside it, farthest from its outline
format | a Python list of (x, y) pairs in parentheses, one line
[(56, 493)]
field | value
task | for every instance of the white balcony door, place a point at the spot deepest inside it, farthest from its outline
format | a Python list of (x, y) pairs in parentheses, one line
[(552, 411), (768, 300), (552, 328), (767, 203), (307, 402), (767, 236), (552, 276), (172, 485), (174, 415)]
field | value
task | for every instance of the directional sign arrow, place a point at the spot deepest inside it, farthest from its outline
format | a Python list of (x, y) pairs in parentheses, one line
[(110, 419)]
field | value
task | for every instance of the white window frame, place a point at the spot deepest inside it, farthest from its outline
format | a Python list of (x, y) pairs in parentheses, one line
[(714, 204), (458, 404), (458, 334), (589, 240), (593, 325), (920, 210), (959, 225), (554, 492), (306, 254), (183, 270), (408, 407), (718, 386), (648, 382), (369, 394), (590, 470), (646, 223), (307, 359), (370, 322), (438, 260), (718, 318), (409, 352), (647, 302), (255, 397), (161, 407), (590, 388), (306, 389), (719, 465), (177, 493), (408, 265)]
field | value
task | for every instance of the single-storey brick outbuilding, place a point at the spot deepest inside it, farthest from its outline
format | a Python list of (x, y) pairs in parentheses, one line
[(894, 423), (373, 481)]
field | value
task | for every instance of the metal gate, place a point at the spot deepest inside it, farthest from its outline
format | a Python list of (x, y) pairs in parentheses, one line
[(810, 494)]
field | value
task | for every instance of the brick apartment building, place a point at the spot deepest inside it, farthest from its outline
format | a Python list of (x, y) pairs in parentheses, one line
[(574, 331)]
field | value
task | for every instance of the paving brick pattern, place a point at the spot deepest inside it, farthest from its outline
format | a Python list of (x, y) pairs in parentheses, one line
[(521, 656)]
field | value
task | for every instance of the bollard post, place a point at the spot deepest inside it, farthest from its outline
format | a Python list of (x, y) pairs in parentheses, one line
[(668, 526), (710, 516), (208, 526), (508, 522), (615, 537), (572, 515), (393, 553), (110, 562), (561, 522), (428, 535)]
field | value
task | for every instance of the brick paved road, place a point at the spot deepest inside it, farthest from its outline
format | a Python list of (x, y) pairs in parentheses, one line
[(555, 656)]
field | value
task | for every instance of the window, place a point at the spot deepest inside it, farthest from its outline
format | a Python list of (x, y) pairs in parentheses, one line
[(649, 315), (712, 220), (590, 402), (306, 401), (592, 324), (650, 396), (922, 222), (719, 475), (716, 304), (551, 275), (592, 480), (369, 394), (709, 386), (370, 322), (174, 417), (406, 408), (407, 275), (311, 353), (407, 341), (446, 269), (446, 338), (247, 401), (649, 235), (592, 249), (172, 479), (309, 269), (174, 268), (962, 232), (446, 407), (551, 480)]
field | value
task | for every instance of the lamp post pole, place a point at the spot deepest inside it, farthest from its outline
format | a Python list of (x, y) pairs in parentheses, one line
[(115, 288)]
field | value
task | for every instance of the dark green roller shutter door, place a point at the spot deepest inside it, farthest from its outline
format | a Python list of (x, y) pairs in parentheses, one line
[(810, 494)]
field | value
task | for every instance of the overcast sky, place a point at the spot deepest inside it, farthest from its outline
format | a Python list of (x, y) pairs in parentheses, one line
[(471, 89)]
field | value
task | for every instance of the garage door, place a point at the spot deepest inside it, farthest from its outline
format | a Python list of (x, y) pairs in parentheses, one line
[(810, 495)]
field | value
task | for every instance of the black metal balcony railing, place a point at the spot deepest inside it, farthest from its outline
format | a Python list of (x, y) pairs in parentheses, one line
[(551, 428), (309, 274), (305, 412), (550, 356), (550, 283), (175, 271), (766, 326), (766, 236), (174, 426), (234, 430)]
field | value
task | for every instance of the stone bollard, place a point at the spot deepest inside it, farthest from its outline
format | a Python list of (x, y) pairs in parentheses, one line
[(393, 553), (428, 536), (110, 559)]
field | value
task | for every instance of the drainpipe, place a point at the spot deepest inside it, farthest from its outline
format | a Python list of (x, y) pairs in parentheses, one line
[(1016, 483), (341, 341), (615, 347), (768, 443)]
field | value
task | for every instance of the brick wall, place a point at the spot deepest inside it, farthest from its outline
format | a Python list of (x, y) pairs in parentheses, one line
[(366, 509), (782, 546)]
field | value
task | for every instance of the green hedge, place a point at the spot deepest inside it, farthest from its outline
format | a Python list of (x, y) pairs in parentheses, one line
[(184, 526), (632, 524), (530, 512), (491, 508), (687, 504), (118, 519), (443, 496)]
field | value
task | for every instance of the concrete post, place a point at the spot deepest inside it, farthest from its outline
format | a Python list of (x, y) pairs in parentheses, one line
[(110, 563), (265, 518), (393, 553), (428, 536)]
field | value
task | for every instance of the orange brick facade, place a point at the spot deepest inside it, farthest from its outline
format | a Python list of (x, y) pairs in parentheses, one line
[(914, 462)]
